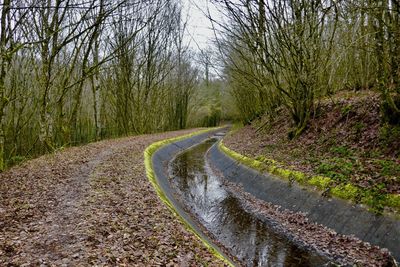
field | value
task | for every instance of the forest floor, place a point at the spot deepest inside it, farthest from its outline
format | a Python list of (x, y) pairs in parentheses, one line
[(92, 205), (345, 141)]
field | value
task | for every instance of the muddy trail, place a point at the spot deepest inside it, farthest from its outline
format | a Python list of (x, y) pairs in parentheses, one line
[(92, 205)]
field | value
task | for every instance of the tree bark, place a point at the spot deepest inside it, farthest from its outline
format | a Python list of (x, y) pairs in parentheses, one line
[(3, 66)]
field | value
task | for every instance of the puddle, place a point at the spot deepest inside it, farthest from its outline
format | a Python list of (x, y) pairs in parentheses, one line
[(242, 234)]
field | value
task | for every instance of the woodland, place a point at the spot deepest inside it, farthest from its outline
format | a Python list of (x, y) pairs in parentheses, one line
[(311, 89), (73, 71)]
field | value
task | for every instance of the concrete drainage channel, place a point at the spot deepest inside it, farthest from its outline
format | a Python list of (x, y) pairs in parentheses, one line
[(336, 214), (160, 160), (344, 217)]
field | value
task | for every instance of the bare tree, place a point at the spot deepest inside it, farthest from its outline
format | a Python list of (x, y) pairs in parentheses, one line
[(283, 43)]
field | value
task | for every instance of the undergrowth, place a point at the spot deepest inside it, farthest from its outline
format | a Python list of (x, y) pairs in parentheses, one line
[(333, 179)]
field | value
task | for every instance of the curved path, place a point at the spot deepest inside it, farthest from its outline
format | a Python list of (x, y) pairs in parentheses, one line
[(333, 213), (92, 206)]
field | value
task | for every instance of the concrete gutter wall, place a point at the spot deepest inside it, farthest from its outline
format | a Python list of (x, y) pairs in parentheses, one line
[(160, 160), (343, 217)]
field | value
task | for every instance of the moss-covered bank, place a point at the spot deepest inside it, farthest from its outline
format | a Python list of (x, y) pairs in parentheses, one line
[(374, 200)]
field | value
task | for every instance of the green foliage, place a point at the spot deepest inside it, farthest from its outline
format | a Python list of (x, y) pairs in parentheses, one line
[(211, 105), (338, 169), (389, 167), (213, 118), (376, 199)]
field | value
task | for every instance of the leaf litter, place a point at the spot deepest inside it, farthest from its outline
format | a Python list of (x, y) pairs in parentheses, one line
[(92, 205)]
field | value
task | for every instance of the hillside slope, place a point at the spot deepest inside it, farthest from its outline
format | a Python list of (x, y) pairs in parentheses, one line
[(345, 141)]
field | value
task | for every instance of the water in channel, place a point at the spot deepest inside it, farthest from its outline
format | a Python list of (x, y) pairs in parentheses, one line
[(247, 238)]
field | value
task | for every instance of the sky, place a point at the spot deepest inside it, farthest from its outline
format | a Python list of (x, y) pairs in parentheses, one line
[(199, 28)]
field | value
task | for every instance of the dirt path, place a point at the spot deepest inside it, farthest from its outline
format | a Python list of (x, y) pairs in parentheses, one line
[(92, 205)]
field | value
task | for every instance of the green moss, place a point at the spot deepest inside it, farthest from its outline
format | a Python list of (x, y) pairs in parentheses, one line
[(298, 176), (266, 160), (346, 191), (261, 164), (281, 172), (321, 182), (148, 153), (335, 171), (375, 200), (393, 200), (260, 158)]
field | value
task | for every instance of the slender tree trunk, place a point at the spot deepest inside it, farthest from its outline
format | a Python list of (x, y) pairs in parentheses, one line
[(49, 49), (44, 113), (2, 106), (3, 66), (96, 93)]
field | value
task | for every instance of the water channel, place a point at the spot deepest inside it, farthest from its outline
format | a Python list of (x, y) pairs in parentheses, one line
[(244, 235)]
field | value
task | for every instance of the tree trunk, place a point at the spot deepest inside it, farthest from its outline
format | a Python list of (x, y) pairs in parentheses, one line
[(3, 66)]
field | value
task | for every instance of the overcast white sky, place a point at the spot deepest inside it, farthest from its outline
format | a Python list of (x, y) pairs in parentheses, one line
[(199, 27)]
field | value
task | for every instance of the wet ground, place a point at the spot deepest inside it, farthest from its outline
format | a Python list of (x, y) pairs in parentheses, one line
[(245, 236)]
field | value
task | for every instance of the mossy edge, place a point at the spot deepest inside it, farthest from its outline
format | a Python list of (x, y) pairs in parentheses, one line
[(148, 154), (343, 191)]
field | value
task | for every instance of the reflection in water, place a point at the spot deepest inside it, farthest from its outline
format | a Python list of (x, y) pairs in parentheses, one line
[(245, 236)]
